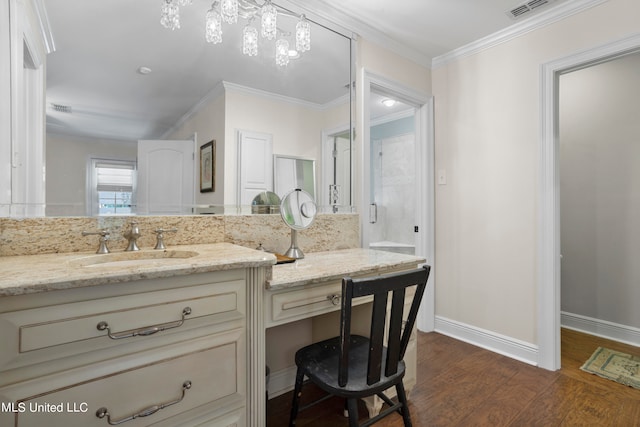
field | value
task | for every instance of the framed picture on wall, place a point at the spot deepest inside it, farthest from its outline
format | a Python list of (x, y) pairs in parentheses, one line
[(208, 167)]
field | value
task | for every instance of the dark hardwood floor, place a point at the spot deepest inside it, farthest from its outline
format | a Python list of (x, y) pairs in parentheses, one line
[(463, 385)]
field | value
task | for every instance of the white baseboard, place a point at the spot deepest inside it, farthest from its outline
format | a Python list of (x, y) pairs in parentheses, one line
[(507, 346), (281, 382), (601, 328)]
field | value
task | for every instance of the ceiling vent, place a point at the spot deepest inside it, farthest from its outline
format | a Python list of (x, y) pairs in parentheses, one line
[(524, 9), (61, 108)]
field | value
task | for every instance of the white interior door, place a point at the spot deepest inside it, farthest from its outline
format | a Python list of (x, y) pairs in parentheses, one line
[(255, 165), (166, 178)]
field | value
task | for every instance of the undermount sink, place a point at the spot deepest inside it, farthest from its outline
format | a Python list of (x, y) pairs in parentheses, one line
[(132, 259)]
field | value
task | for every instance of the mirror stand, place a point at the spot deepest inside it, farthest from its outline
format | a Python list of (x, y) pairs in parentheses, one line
[(294, 251), (298, 210)]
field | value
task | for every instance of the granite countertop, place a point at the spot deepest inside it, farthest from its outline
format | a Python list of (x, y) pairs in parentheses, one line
[(40, 273), (322, 266)]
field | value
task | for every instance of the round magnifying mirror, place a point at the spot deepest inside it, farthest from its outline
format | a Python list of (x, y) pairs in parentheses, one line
[(298, 211)]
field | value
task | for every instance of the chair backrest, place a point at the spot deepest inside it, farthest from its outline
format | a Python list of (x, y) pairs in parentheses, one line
[(394, 284)]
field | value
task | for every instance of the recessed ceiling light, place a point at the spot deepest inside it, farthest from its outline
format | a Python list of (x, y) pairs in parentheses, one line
[(144, 70), (389, 102)]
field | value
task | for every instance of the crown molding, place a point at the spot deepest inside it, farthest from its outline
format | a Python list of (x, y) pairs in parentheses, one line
[(228, 86), (225, 86), (538, 21)]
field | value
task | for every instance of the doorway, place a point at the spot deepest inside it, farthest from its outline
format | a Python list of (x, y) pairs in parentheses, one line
[(549, 267), (391, 199)]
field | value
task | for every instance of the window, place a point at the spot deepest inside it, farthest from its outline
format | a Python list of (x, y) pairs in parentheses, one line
[(112, 187)]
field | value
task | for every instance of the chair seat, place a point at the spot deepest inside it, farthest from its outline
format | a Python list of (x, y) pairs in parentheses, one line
[(320, 363)]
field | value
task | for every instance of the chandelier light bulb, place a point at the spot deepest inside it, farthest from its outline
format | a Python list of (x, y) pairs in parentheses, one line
[(213, 26), (269, 18), (303, 35), (229, 10), (282, 52), (170, 15), (184, 2), (250, 41)]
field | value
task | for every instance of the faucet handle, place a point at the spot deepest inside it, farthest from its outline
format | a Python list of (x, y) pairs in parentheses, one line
[(104, 236), (160, 236)]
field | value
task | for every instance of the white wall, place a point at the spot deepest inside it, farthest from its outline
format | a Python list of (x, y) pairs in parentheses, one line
[(600, 191), (487, 140), (67, 159)]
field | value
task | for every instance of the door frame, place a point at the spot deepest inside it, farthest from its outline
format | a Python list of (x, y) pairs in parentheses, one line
[(549, 256), (425, 153)]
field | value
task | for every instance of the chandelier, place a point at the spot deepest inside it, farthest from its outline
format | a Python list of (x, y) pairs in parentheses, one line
[(266, 14)]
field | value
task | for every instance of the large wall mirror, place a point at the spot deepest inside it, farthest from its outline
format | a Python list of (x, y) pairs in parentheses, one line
[(118, 76)]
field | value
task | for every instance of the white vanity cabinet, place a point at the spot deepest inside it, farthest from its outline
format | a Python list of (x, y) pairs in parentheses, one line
[(176, 354)]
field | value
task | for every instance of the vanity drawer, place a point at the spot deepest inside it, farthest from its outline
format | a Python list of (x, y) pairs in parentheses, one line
[(207, 377), (127, 318), (290, 305)]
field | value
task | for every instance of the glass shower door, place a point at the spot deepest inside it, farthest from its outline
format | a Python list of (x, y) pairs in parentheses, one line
[(392, 208)]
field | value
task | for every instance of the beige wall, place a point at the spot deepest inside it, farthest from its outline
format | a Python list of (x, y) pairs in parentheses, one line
[(66, 175), (487, 139), (208, 123), (296, 130), (600, 190)]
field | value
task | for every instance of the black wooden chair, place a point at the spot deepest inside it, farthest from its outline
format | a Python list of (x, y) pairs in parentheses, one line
[(353, 366)]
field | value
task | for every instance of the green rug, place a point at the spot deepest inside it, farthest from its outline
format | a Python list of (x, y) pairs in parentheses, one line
[(614, 365)]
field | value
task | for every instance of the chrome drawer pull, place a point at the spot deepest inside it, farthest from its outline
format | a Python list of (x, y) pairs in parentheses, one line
[(104, 412), (143, 332), (335, 299)]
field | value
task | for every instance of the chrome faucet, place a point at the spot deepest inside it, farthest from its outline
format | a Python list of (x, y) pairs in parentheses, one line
[(160, 236), (132, 236), (104, 236)]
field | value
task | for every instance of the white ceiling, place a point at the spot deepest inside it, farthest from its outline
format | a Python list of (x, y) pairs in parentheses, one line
[(100, 45)]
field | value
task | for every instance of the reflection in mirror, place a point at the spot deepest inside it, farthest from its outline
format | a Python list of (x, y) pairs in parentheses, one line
[(109, 86), (266, 202), (294, 172), (338, 179)]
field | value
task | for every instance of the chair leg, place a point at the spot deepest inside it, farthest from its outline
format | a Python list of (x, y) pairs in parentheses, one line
[(402, 397), (297, 392), (352, 407)]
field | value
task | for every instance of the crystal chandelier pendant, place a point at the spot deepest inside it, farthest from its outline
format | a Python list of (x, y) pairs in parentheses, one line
[(170, 15), (213, 26), (282, 53), (269, 17), (184, 2), (250, 41), (229, 10), (303, 35)]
